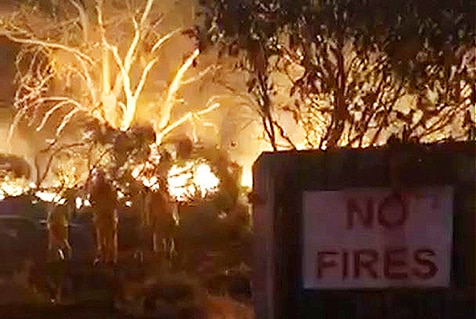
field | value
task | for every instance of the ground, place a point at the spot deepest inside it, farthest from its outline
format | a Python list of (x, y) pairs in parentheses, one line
[(206, 284)]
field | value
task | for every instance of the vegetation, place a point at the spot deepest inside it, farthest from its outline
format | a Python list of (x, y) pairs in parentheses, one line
[(356, 71)]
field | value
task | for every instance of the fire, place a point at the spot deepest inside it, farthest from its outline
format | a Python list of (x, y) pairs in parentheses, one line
[(50, 197), (81, 202), (142, 173), (194, 178), (13, 187)]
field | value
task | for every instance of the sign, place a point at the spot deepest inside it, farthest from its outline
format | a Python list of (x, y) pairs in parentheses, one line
[(376, 238)]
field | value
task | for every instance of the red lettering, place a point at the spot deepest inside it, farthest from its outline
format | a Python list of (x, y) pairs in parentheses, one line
[(353, 209), (365, 259), (393, 261), (421, 258), (401, 215), (323, 262)]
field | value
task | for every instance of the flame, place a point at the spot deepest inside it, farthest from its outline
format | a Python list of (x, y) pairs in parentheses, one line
[(189, 180), (50, 197), (194, 178), (142, 173), (13, 187), (81, 202)]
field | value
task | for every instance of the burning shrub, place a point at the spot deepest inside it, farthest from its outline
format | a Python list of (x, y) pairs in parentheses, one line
[(14, 174), (13, 187), (14, 166)]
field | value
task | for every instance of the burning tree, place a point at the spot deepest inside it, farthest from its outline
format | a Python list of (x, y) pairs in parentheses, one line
[(101, 73), (97, 61)]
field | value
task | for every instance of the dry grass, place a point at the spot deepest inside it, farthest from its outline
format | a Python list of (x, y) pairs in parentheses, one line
[(178, 295), (165, 295)]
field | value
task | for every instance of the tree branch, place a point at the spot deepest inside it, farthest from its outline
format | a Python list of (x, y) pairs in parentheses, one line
[(183, 119), (173, 89)]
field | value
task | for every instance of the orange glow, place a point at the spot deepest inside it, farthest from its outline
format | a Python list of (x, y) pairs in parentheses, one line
[(191, 180), (10, 187)]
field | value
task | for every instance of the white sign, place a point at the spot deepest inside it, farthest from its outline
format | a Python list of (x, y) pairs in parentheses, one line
[(375, 238)]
